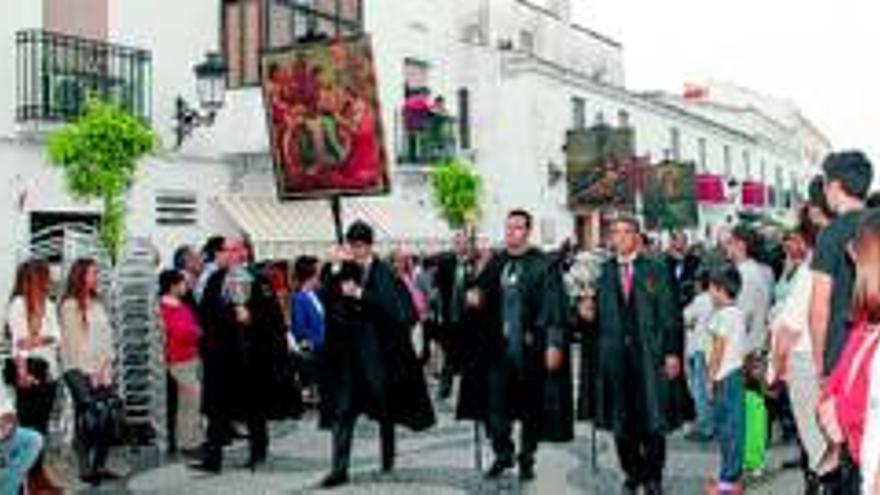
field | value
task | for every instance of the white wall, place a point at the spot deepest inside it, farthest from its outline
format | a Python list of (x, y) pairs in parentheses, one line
[(17, 15), (177, 34)]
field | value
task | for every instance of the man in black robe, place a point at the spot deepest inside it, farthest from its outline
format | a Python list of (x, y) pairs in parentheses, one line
[(526, 350), (369, 364), (243, 351), (639, 347)]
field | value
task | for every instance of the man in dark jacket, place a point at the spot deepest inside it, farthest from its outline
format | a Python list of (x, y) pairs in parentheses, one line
[(450, 282), (369, 364), (527, 349), (243, 351), (682, 267), (640, 343)]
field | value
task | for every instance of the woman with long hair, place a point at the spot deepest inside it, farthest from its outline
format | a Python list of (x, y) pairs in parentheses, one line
[(35, 339), (182, 334), (844, 404), (792, 349), (87, 355)]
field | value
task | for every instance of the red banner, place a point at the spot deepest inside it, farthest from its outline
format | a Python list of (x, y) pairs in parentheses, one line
[(754, 194)]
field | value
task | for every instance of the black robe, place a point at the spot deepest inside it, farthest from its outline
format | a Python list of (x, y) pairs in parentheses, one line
[(659, 334), (368, 362), (246, 369), (546, 395)]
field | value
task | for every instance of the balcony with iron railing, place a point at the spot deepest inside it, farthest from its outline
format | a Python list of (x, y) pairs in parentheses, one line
[(57, 73), (427, 135)]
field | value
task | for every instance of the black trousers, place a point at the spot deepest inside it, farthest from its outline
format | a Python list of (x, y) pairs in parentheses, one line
[(845, 480), (34, 405), (219, 428), (34, 408), (507, 401), (343, 433), (91, 451), (171, 412), (642, 452), (642, 457)]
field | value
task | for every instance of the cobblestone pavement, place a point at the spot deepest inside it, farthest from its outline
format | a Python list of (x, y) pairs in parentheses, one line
[(440, 461)]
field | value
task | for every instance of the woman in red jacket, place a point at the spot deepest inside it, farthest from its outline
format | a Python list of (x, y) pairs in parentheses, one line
[(844, 399), (182, 334)]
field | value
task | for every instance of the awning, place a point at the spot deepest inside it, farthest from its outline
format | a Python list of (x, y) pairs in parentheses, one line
[(754, 194), (710, 189), (289, 229)]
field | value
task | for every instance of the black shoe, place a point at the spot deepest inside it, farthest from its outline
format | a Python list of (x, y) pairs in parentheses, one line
[(194, 453), (205, 467), (498, 468), (255, 462), (630, 487), (526, 472), (654, 488), (92, 478), (334, 479), (107, 475)]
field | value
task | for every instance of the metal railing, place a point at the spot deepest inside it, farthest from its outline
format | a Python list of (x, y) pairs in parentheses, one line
[(56, 73), (428, 141)]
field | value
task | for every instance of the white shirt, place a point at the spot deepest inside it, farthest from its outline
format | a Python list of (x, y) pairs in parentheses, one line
[(871, 439), (728, 323), (794, 311), (697, 316), (18, 326), (754, 301)]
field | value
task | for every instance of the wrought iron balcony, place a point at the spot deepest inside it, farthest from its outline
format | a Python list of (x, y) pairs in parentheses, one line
[(427, 141), (56, 73)]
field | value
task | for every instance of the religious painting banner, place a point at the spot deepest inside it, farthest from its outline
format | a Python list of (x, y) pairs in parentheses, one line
[(599, 166), (669, 200), (324, 119)]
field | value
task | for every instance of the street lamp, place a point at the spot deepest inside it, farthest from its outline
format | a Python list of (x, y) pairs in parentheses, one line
[(211, 91)]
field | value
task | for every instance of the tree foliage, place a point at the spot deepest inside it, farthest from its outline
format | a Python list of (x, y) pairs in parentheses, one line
[(457, 190), (99, 154)]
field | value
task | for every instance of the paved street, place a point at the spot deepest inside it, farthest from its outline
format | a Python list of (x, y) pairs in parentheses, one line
[(438, 462)]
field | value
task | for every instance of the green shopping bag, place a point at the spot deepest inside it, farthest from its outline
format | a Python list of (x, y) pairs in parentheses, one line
[(755, 449)]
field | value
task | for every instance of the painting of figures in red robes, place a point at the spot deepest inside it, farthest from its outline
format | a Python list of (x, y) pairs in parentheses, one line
[(325, 120)]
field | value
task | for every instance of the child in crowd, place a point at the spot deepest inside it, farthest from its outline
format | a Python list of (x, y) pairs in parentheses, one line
[(697, 316), (726, 388)]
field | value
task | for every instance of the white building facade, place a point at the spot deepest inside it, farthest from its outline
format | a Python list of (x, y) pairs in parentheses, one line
[(515, 74)]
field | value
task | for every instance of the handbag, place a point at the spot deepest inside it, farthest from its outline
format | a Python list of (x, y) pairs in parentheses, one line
[(100, 411), (37, 367)]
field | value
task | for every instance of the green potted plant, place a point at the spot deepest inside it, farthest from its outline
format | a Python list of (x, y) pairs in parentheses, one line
[(99, 154), (457, 189)]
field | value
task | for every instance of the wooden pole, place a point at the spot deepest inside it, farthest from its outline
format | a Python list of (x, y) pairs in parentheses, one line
[(336, 208)]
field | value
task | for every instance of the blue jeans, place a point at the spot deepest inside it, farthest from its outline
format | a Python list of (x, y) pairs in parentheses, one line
[(17, 455), (697, 376), (730, 419)]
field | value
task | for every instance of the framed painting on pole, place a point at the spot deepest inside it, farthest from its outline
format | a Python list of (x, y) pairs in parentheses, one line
[(324, 117)]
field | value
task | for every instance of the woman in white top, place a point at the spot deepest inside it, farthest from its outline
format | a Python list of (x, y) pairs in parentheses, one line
[(792, 351), (35, 337), (87, 355)]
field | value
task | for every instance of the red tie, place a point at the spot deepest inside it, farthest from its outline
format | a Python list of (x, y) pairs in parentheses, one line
[(627, 279)]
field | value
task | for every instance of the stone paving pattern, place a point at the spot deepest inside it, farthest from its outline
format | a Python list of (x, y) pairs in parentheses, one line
[(440, 461)]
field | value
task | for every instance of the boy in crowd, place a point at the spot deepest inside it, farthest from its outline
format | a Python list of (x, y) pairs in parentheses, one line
[(726, 389)]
